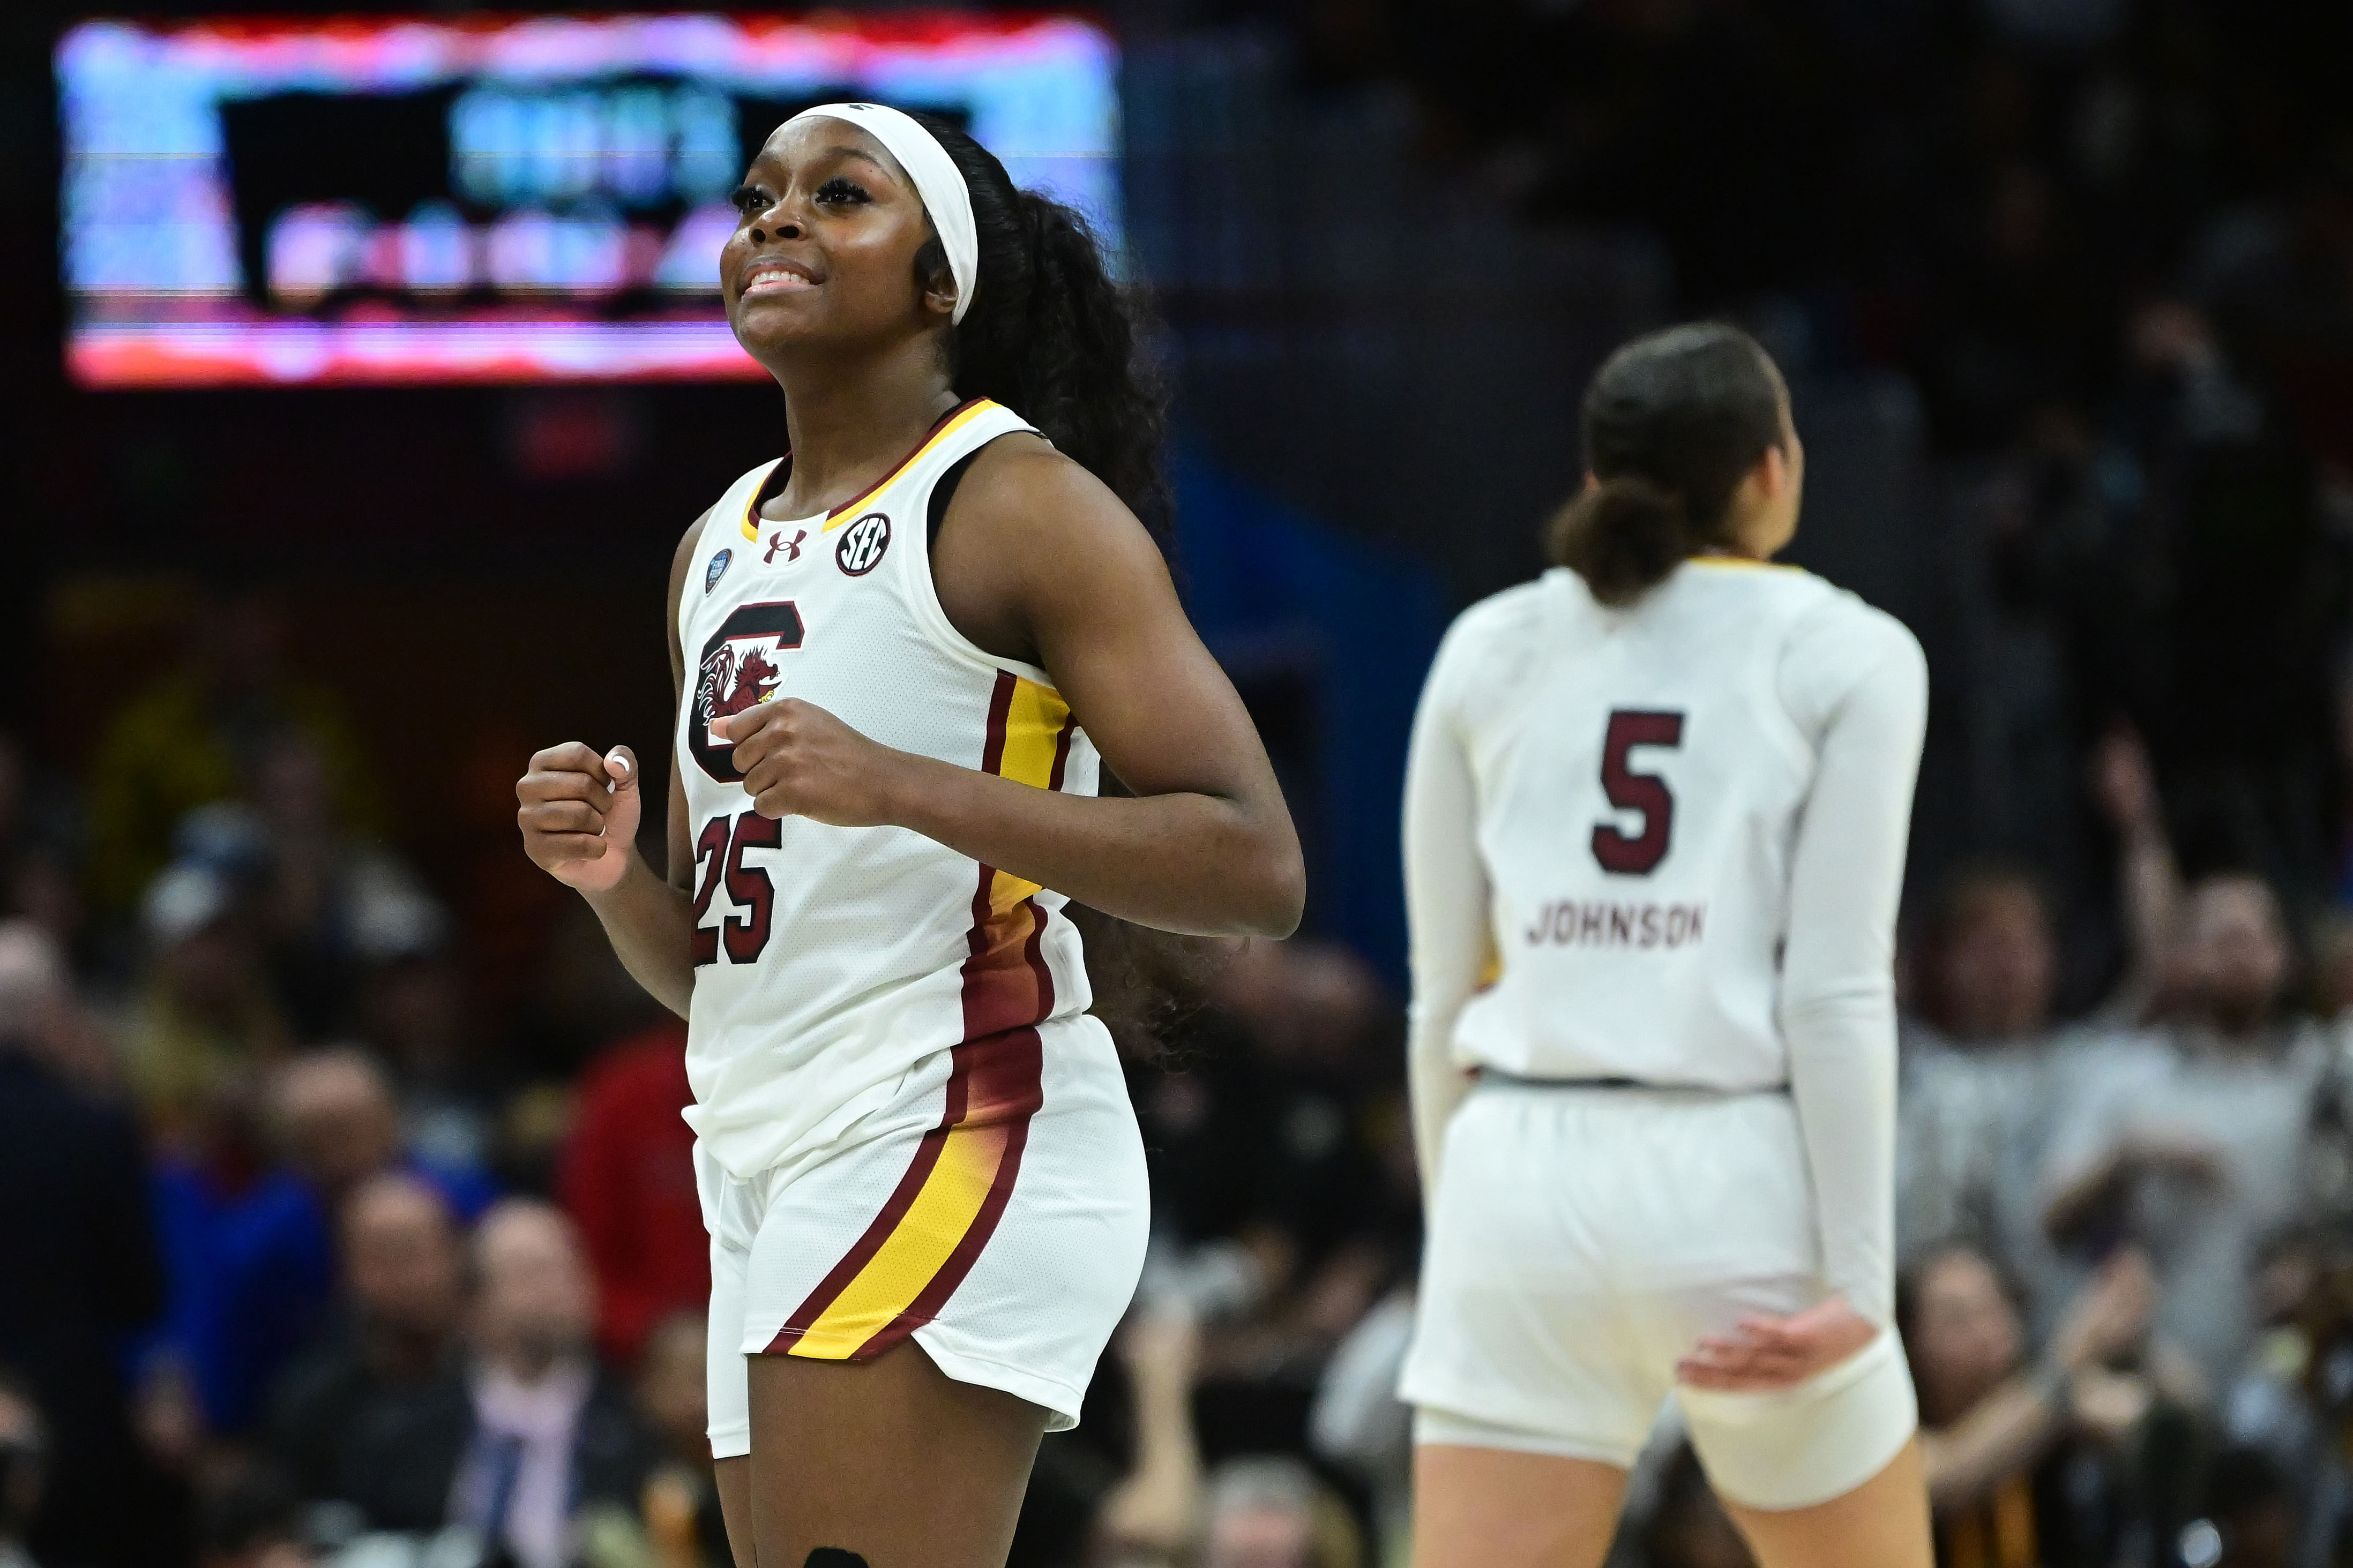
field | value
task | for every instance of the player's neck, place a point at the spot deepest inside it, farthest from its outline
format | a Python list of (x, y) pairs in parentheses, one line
[(847, 423)]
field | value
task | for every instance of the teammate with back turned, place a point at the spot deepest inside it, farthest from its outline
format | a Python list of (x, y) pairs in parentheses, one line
[(901, 654), (1656, 810)]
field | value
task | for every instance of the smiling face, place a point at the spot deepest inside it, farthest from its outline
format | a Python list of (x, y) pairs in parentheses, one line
[(824, 253)]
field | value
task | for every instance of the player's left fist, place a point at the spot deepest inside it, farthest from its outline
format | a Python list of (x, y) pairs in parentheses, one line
[(798, 759)]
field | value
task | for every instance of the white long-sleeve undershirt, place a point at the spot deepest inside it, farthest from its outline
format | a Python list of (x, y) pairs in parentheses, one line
[(1853, 687)]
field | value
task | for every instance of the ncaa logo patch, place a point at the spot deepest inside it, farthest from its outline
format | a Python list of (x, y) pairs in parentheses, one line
[(716, 570), (863, 544)]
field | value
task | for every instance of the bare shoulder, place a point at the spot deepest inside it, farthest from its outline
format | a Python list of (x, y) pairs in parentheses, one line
[(1035, 554), (1020, 489)]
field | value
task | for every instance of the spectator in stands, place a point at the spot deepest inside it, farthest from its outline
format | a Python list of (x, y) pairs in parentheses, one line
[(2148, 881), (1154, 1514), (328, 902), (682, 1522), (1360, 1425), (524, 1439), (78, 1270), (203, 1022), (403, 1293), (23, 1464), (628, 1179), (1270, 1512), (1289, 1134), (197, 735), (1980, 1080), (416, 1013), (1311, 1016), (2031, 1464), (552, 1434), (38, 839), (2195, 1147), (269, 1263), (2250, 1516), (39, 1009), (252, 1521), (2291, 1402)]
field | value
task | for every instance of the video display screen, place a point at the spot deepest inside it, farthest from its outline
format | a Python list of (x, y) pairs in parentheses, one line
[(274, 202)]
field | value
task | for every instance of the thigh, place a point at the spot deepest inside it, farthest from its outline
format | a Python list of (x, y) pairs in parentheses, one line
[(1494, 1507), (1791, 1449), (888, 1459), (1883, 1523)]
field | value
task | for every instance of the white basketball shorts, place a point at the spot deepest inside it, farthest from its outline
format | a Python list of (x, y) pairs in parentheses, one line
[(995, 1210), (1582, 1242)]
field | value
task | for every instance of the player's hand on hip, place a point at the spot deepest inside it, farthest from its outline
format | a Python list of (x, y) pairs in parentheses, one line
[(798, 759), (578, 812), (1767, 1351)]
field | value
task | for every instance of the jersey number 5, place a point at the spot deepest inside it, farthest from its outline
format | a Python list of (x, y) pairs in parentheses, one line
[(1639, 854)]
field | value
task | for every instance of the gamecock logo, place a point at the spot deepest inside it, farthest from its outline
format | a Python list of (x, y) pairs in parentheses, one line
[(741, 667)]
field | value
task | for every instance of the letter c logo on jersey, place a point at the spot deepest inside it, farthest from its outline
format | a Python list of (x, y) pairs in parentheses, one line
[(741, 667), (863, 544)]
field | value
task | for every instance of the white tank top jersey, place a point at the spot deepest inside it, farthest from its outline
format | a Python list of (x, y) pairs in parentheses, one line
[(830, 960), (1665, 843)]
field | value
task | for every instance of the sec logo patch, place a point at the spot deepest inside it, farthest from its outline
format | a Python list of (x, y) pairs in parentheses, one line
[(863, 544)]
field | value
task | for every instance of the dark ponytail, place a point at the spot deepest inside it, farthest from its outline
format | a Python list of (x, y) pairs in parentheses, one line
[(1673, 422), (1052, 336)]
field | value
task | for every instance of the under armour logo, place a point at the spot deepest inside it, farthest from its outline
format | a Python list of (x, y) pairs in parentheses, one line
[(791, 547)]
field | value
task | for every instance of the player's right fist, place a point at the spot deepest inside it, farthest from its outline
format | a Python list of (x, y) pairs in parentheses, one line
[(578, 813)]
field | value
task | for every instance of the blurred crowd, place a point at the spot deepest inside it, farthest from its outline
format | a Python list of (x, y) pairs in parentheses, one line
[(314, 1257), (2097, 258), (327, 1242)]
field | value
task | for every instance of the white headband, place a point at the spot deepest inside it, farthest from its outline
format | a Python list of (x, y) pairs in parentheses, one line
[(937, 179)]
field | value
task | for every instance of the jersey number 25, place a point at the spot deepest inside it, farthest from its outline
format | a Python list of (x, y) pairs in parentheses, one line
[(723, 845), (1636, 855)]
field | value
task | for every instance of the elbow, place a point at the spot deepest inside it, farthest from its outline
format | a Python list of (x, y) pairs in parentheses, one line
[(1265, 888), (1279, 892)]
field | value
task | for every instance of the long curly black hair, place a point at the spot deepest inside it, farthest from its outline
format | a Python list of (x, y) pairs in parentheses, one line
[(1052, 336)]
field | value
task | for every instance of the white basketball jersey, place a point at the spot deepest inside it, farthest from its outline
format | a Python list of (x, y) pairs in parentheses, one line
[(830, 960), (1640, 780)]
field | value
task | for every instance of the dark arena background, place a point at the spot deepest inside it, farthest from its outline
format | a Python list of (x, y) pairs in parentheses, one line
[(360, 372)]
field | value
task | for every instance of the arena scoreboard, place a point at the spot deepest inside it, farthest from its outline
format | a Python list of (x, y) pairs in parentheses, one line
[(284, 202)]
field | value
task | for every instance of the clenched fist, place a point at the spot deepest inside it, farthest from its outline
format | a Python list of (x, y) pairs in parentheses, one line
[(578, 813), (798, 759)]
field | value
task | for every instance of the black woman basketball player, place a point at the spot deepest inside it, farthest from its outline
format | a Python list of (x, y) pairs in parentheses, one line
[(903, 654)]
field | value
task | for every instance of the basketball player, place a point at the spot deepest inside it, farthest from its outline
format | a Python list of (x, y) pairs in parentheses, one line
[(1655, 822), (902, 653)]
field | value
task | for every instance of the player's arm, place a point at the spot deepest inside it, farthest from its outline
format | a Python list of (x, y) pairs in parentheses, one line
[(1037, 560), (579, 810), (1446, 899), (1838, 984), (1838, 1007)]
